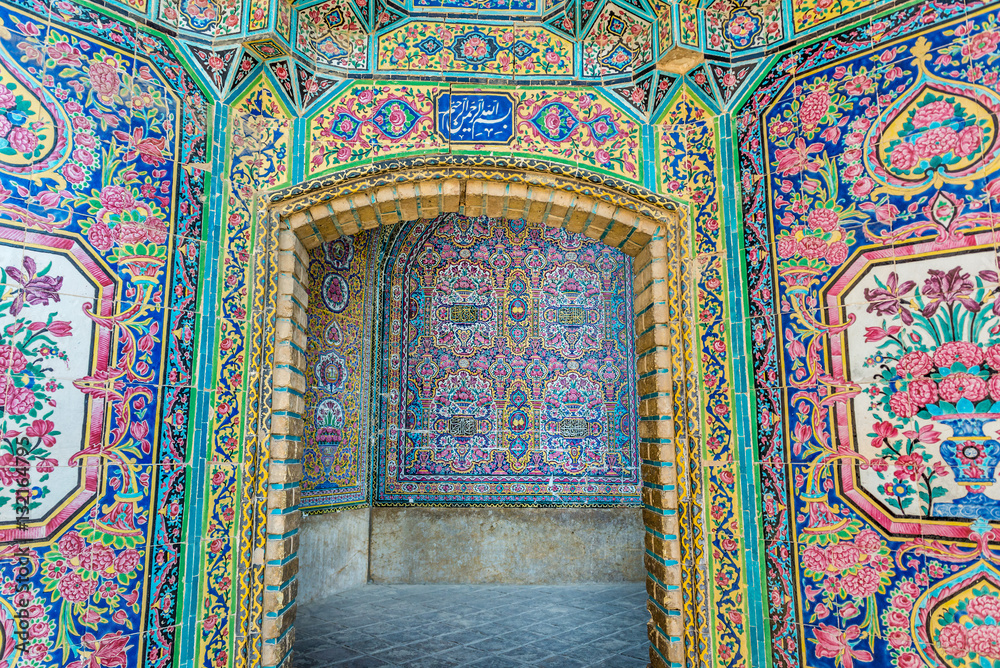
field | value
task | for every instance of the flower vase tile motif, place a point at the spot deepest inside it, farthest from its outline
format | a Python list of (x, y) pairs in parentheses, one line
[(338, 355), (97, 263), (872, 250), (505, 367)]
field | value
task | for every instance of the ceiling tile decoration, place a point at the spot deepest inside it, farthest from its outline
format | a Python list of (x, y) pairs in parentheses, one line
[(729, 79), (246, 67), (639, 93), (311, 86), (282, 71), (701, 78), (215, 64), (331, 34), (617, 43), (664, 83)]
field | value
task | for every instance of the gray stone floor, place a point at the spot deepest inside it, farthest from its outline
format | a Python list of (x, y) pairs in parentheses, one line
[(440, 626)]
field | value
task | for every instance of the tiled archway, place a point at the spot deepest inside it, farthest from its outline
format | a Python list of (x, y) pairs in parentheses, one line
[(640, 224)]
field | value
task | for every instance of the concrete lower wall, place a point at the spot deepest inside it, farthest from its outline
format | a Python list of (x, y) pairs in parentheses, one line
[(333, 553), (506, 545)]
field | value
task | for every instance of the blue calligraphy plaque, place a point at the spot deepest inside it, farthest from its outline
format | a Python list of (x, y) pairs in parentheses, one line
[(476, 118)]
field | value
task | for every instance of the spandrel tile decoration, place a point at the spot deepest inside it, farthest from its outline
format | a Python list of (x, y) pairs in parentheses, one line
[(299, 298)]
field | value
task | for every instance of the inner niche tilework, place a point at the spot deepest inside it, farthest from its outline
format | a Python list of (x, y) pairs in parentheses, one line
[(338, 363), (507, 374)]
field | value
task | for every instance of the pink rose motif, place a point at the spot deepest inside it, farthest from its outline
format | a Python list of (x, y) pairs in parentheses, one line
[(38, 630), (981, 44), (100, 237), (366, 96), (910, 589), (602, 156), (969, 141), (156, 231), (129, 234), (127, 561), (993, 357), (852, 172), (909, 660), (862, 584), (75, 589), (844, 555), (8, 472), (5, 126), (916, 364), (900, 639), (935, 112), (552, 122), (896, 618), (83, 156), (7, 99), (19, 400), (71, 545), (85, 139), (868, 542), (923, 391), (815, 559), (814, 107), (12, 359), (984, 640), (104, 80), (904, 157), (601, 127), (936, 141), (960, 352), (344, 154), (862, 187), (812, 248), (958, 386), (74, 173), (952, 640), (837, 253), (552, 57), (909, 467), (22, 140), (901, 404), (993, 386), (98, 558), (984, 606), (824, 219), (117, 199), (787, 246), (902, 602), (397, 117)]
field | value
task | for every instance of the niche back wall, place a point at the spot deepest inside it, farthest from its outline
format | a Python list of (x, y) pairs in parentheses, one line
[(505, 368)]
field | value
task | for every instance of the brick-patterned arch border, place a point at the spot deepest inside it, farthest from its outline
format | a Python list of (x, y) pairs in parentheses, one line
[(642, 225)]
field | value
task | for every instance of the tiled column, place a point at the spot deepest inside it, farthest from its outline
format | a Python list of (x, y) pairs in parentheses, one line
[(656, 450), (285, 468)]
